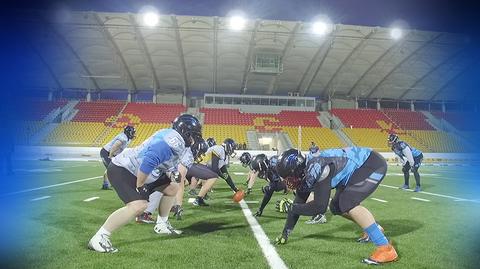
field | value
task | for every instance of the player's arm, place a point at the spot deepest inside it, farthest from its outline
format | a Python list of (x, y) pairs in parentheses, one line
[(155, 155), (408, 154), (319, 204), (115, 148), (226, 176)]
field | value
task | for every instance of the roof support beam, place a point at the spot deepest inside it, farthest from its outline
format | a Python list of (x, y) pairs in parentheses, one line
[(413, 53), (248, 61), (390, 49), (315, 56), (431, 71), (47, 66), (325, 55), (215, 52), (349, 56), (453, 79), (288, 46), (109, 38), (67, 44), (146, 54), (180, 54)]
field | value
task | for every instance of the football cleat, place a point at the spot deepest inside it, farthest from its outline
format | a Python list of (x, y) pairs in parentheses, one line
[(178, 212), (166, 228), (317, 219), (418, 189), (404, 187), (382, 254), (101, 243), (365, 238), (145, 217), (106, 187), (258, 213), (199, 202)]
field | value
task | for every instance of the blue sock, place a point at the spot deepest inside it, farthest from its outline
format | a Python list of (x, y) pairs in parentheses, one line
[(376, 235)]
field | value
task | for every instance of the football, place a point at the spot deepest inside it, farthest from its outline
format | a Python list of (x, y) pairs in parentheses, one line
[(238, 196)]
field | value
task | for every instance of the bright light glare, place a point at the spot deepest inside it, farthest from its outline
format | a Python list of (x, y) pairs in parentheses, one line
[(151, 18), (319, 28), (396, 33), (237, 23)]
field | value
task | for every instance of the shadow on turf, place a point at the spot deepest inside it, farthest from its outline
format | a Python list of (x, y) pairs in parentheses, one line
[(393, 228)]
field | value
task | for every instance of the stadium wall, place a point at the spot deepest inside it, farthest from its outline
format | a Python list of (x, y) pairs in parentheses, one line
[(52, 153)]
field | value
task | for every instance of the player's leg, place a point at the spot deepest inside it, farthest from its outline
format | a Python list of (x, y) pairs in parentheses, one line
[(163, 226), (208, 178), (406, 176), (153, 202), (125, 185), (106, 161), (416, 166), (319, 218)]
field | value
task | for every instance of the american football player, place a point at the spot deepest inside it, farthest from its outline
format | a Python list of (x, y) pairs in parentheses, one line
[(410, 157)]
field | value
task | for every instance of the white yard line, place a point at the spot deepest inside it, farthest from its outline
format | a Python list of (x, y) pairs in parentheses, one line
[(40, 198), (239, 173), (419, 199), (91, 199), (50, 186), (268, 250), (379, 200), (248, 202), (435, 194)]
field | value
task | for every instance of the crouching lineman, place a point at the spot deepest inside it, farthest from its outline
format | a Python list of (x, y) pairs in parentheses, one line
[(246, 161), (115, 147), (354, 172), (128, 173), (217, 159), (265, 169), (410, 157)]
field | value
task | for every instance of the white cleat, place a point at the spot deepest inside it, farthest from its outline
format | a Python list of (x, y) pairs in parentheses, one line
[(317, 219), (101, 243), (166, 228)]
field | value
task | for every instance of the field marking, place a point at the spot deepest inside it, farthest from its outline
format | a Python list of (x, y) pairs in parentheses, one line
[(50, 186), (91, 199), (268, 250), (39, 198), (248, 202), (435, 194), (379, 200), (419, 199), (240, 173)]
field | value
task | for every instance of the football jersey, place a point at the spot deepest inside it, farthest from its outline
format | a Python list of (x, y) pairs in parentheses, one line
[(217, 151), (120, 137), (399, 146), (162, 150), (344, 162)]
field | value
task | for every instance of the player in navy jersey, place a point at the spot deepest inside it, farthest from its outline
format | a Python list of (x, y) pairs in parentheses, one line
[(410, 157), (130, 173), (115, 147), (354, 172)]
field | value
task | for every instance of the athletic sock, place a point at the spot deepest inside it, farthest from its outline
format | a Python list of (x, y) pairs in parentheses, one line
[(376, 235), (103, 231), (162, 219)]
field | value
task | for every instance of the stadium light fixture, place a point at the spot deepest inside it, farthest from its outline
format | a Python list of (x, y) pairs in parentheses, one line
[(320, 28), (149, 16), (396, 33), (237, 23)]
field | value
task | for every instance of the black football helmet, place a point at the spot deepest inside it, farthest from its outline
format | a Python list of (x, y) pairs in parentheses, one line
[(392, 139), (273, 162), (189, 127), (229, 146), (291, 167), (198, 149), (245, 159), (260, 163), (211, 141), (129, 131)]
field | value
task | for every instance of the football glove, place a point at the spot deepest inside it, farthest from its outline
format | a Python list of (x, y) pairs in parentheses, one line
[(281, 240), (143, 192), (283, 205)]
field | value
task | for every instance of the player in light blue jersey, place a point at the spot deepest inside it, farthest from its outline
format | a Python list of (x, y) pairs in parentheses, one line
[(410, 157), (354, 172), (129, 173), (115, 147)]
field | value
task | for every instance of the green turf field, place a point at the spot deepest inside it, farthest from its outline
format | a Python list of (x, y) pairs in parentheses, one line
[(438, 233)]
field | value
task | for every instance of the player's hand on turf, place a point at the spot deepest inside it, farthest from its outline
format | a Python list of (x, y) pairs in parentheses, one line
[(281, 240), (258, 213), (143, 191)]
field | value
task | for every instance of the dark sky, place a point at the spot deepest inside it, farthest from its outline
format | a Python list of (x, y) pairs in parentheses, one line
[(438, 15)]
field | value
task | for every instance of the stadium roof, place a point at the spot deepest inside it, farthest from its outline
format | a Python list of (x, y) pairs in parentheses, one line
[(98, 51)]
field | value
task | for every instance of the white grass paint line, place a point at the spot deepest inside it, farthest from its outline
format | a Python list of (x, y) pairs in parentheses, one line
[(268, 250), (39, 170), (435, 194), (380, 200), (39, 198), (50, 186), (91, 199), (240, 173), (420, 199), (190, 200), (248, 202)]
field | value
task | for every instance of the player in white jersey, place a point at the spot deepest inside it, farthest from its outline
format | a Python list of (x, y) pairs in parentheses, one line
[(113, 148), (129, 174)]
